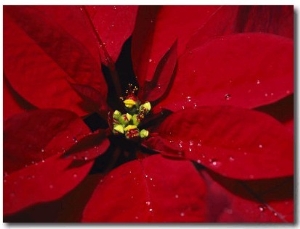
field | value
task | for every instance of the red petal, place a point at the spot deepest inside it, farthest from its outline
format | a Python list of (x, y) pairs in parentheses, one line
[(238, 19), (48, 58), (234, 142), (156, 31), (26, 136), (45, 181), (149, 190), (256, 201), (245, 70), (114, 25)]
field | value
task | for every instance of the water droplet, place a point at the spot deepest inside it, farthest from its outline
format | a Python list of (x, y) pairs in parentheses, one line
[(74, 175), (42, 160), (136, 217), (199, 161), (146, 175), (51, 186), (260, 146), (85, 158), (148, 203), (251, 176), (150, 210), (182, 214), (112, 25), (288, 91), (131, 197), (176, 196), (227, 96), (231, 158), (180, 144), (214, 162), (188, 98), (262, 208), (42, 150), (257, 81), (150, 60), (151, 21), (130, 171), (191, 143), (114, 7), (75, 140), (182, 107), (275, 214), (190, 149), (151, 178), (266, 94), (4, 180), (111, 176)]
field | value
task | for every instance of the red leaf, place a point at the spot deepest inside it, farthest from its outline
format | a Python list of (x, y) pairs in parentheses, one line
[(89, 147), (114, 25), (13, 103), (69, 208), (240, 19), (158, 28), (233, 142), (33, 145), (44, 181), (254, 201), (150, 190), (245, 70), (92, 97), (26, 135), (156, 88), (36, 46)]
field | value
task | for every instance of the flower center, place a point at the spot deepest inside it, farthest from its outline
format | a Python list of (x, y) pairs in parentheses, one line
[(128, 123)]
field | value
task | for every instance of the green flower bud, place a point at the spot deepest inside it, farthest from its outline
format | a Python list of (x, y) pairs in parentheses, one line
[(145, 107), (144, 133), (125, 119), (118, 129), (117, 114)]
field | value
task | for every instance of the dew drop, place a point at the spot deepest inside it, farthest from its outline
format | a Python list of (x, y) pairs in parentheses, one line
[(42, 160), (85, 158), (150, 60), (112, 25), (275, 214), (182, 107), (74, 175), (75, 140), (257, 81), (146, 175), (182, 214), (151, 21), (148, 203), (188, 98), (150, 210), (114, 7), (51, 186), (214, 162), (180, 144), (251, 177), (111, 176), (266, 94), (42, 150), (151, 178), (227, 96), (176, 196), (130, 171), (136, 217), (231, 158), (260, 146), (288, 91), (199, 161), (262, 208)]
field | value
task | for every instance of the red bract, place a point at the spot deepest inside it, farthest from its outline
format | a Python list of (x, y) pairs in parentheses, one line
[(220, 83)]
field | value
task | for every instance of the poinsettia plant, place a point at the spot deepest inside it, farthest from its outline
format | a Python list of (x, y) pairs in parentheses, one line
[(148, 114)]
